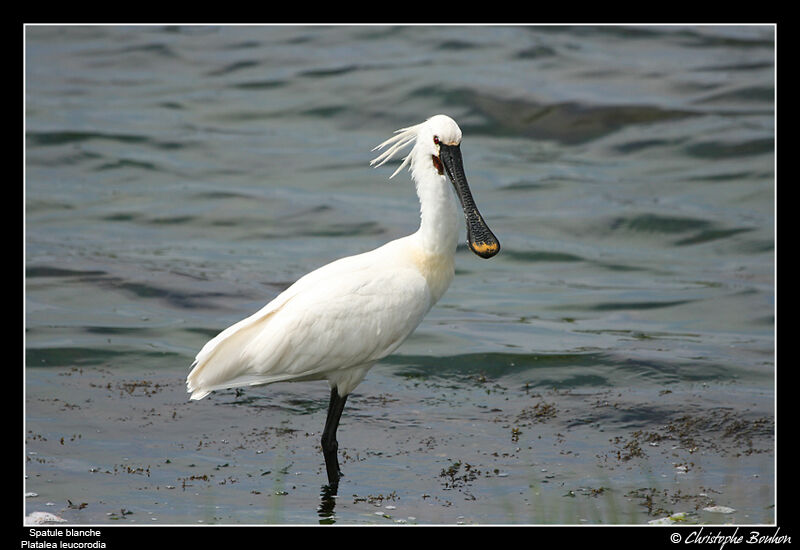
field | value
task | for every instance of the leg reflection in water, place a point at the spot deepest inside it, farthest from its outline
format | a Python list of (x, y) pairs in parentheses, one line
[(327, 504)]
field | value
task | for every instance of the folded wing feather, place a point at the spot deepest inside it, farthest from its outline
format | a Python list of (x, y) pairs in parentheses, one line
[(342, 315)]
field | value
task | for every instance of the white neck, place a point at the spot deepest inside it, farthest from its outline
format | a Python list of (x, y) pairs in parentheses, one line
[(439, 224)]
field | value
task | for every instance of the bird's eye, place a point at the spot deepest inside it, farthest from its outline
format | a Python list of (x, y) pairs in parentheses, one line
[(436, 140)]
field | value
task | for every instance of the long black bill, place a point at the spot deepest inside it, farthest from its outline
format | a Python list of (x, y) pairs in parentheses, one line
[(479, 237)]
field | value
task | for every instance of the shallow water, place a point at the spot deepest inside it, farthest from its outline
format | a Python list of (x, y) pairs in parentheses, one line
[(613, 364)]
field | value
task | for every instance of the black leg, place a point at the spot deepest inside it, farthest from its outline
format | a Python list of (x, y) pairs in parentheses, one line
[(329, 444)]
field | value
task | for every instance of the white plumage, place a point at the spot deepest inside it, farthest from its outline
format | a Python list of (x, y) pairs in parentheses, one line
[(337, 321), (333, 323)]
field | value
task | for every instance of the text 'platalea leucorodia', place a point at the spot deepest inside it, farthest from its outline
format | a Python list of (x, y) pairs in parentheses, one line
[(339, 320)]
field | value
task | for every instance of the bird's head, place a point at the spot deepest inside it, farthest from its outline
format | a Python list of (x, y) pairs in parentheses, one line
[(439, 139)]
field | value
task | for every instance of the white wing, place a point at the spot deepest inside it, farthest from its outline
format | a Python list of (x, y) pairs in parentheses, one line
[(349, 313)]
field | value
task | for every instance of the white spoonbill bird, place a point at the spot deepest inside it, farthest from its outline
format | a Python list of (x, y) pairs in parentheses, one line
[(337, 321)]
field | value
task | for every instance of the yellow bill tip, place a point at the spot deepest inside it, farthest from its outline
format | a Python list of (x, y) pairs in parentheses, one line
[(484, 249)]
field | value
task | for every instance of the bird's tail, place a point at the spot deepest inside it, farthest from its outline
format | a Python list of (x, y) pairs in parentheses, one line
[(220, 363)]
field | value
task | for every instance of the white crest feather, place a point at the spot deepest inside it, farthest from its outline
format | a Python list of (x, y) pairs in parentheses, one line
[(402, 138)]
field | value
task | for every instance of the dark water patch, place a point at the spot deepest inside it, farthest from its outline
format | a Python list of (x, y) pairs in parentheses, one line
[(84, 357), (529, 185), (66, 137), (581, 33), (260, 84), (122, 217), (157, 48), (244, 45), (725, 150), (177, 298), (728, 176), (644, 336), (325, 111), (172, 220), (655, 223), (569, 123), (670, 371), (457, 45), (66, 357), (534, 52), (711, 235), (601, 74), (168, 145), (756, 246), (233, 67), (35, 206), (299, 39), (382, 33), (305, 214), (621, 31), (224, 195), (540, 256), (50, 271), (127, 163), (329, 72), (562, 371), (256, 398), (692, 38), (702, 230), (628, 416), (248, 116), (624, 306), (760, 94), (174, 105), (755, 66), (322, 230), (642, 144), (189, 30), (117, 331), (232, 222), (69, 158), (492, 365), (768, 321), (137, 217), (619, 267), (141, 290), (693, 87), (174, 297), (346, 230)]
